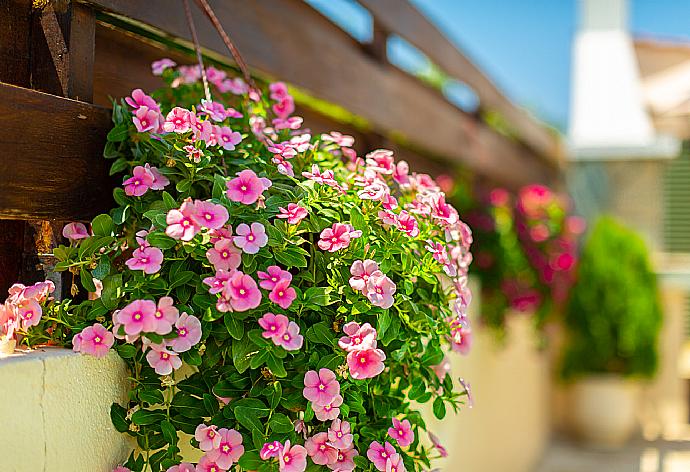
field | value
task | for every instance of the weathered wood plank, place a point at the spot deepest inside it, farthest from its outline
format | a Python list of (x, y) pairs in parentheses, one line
[(312, 53), (402, 18), (51, 166)]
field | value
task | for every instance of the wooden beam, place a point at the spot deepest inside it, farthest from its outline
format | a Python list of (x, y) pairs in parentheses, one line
[(312, 53), (51, 163), (402, 18)]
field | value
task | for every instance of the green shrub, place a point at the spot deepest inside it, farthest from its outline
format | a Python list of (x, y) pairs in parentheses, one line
[(613, 316)]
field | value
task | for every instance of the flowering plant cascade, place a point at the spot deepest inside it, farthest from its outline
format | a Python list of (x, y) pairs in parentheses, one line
[(274, 295)]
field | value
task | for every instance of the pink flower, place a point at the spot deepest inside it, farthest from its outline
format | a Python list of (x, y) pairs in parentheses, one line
[(162, 360), (188, 328), (243, 292), (461, 339), (335, 238), (366, 363), (183, 467), (138, 316), (294, 122), (294, 213), (229, 450), (214, 110), (148, 259), (437, 444), (361, 271), (272, 276), (224, 255), (159, 180), (339, 435), (271, 449), (319, 450), (140, 99), (29, 312), (121, 468), (400, 174), (358, 338), (206, 464), (345, 460), (395, 464), (282, 294), (229, 138), (290, 340), (408, 224), (283, 166), (157, 67), (402, 432), (325, 178), (39, 291), (215, 76), (166, 315), (278, 91), (250, 239), (442, 211), (273, 325), (381, 160), (380, 290), (220, 233), (328, 412), (293, 458), (207, 436), (379, 454), (442, 369), (75, 231), (140, 182), (320, 388), (387, 217), (217, 282), (181, 223), (376, 191), (338, 138), (247, 187), (146, 119), (235, 86), (210, 215), (178, 120), (94, 340), (284, 108)]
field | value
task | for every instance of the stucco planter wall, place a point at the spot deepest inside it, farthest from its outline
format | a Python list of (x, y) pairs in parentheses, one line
[(55, 412)]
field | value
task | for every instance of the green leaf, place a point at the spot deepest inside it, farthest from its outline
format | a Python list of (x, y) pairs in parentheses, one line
[(121, 214), (112, 291), (250, 460), (102, 269), (160, 240), (188, 405), (87, 280), (145, 417), (357, 220), (118, 133), (275, 364), (182, 278), (234, 326), (102, 225), (240, 354), (280, 423), (169, 201), (439, 408), (383, 322), (126, 351), (321, 333), (259, 358), (118, 416), (292, 256), (151, 395), (248, 412), (318, 296), (275, 395)]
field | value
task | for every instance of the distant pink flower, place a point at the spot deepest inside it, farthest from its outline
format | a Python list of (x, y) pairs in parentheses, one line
[(395, 464), (157, 67), (437, 444), (294, 122), (250, 239), (461, 339), (283, 166), (401, 174), (358, 337), (272, 276), (387, 217), (319, 450), (339, 434), (210, 215), (290, 340), (328, 412), (224, 255), (140, 182), (75, 231), (402, 432), (94, 340), (379, 454), (140, 99), (247, 187), (230, 449), (235, 86), (381, 160), (243, 292), (206, 464), (278, 91), (273, 325), (325, 178), (408, 224), (207, 436), (282, 294), (442, 369), (215, 76), (162, 360), (271, 449), (181, 223), (366, 363), (335, 238), (148, 259), (345, 461), (229, 138), (146, 119), (380, 290), (293, 458), (178, 120), (188, 329), (166, 315), (214, 110), (294, 213), (338, 138), (183, 467), (138, 316), (322, 387), (361, 271), (285, 107)]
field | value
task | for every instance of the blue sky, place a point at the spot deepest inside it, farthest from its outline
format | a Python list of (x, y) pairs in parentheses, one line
[(524, 46)]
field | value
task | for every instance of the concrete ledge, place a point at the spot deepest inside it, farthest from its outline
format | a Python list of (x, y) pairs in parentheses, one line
[(55, 412)]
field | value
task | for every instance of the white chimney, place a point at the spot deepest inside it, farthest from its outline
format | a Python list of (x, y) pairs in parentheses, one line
[(608, 118)]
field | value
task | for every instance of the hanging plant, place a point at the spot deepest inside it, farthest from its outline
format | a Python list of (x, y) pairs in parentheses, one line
[(275, 296)]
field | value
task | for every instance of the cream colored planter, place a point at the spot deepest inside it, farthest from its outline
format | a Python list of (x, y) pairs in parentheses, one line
[(604, 410), (55, 412)]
